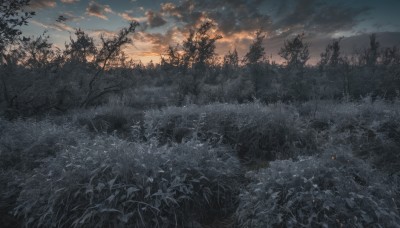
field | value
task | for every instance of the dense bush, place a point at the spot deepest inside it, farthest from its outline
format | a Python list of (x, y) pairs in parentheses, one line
[(337, 191), (254, 130), (369, 128), (25, 143), (109, 182), (125, 122)]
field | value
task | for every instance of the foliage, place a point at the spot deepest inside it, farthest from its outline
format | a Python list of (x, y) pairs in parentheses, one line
[(12, 16), (255, 131), (109, 182), (325, 191), (256, 50), (24, 144), (295, 52)]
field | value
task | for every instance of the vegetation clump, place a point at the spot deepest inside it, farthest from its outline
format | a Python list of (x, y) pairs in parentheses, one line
[(325, 191)]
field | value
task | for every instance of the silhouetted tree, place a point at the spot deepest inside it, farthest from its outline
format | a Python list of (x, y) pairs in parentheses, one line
[(199, 47), (390, 56), (171, 58), (232, 59), (331, 56), (372, 53), (81, 49), (110, 49), (12, 16), (38, 51), (256, 51), (296, 52), (230, 64)]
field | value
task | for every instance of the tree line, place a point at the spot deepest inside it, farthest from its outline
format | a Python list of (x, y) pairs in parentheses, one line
[(36, 77)]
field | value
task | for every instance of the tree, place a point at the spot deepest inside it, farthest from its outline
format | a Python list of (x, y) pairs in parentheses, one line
[(296, 52), (231, 59), (81, 49), (12, 16), (197, 52), (371, 55), (110, 49), (331, 56), (199, 47), (256, 51), (171, 58), (38, 51), (230, 64), (390, 56), (336, 67)]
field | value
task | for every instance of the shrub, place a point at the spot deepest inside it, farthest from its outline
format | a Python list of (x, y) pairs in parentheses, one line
[(109, 182), (318, 192), (254, 130), (24, 144), (126, 122)]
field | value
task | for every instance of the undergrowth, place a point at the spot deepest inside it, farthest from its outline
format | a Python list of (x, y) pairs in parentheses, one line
[(318, 192), (109, 182), (117, 166)]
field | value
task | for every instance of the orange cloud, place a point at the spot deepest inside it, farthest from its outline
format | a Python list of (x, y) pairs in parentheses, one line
[(127, 16)]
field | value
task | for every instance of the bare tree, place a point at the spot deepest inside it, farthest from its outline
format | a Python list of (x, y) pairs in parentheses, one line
[(110, 49)]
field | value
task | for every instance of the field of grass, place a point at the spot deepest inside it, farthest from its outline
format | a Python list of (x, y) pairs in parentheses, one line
[(317, 164)]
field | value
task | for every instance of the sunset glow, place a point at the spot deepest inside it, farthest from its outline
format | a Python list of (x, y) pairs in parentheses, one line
[(164, 23)]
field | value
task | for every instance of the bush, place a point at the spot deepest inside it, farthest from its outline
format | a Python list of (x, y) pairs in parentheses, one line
[(109, 182), (126, 122), (254, 130), (24, 144), (318, 192)]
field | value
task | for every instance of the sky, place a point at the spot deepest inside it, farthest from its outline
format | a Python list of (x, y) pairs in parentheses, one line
[(164, 23)]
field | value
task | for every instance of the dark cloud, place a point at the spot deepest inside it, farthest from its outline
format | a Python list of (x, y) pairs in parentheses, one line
[(159, 41), (97, 10), (186, 12), (230, 15), (289, 16), (69, 1), (68, 17), (301, 14), (155, 19), (334, 18), (40, 4), (317, 16)]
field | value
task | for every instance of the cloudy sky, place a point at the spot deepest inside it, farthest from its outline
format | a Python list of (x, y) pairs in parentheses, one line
[(164, 23)]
